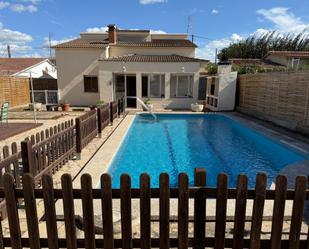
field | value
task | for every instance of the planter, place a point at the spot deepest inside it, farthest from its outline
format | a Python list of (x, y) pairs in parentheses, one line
[(197, 107), (65, 107), (37, 106)]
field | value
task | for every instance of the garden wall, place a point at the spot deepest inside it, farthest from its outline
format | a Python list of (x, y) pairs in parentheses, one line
[(279, 97), (14, 90)]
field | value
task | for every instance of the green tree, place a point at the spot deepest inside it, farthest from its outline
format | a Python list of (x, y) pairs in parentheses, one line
[(258, 47)]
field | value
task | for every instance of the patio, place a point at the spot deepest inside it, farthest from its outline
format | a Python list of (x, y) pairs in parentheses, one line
[(12, 129)]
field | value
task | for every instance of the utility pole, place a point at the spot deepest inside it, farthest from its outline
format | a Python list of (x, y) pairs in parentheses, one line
[(189, 25), (9, 51)]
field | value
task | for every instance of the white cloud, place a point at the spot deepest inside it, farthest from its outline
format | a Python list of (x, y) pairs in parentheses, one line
[(97, 29), (19, 8), (18, 41), (215, 12), (157, 31), (145, 2), (283, 20), (56, 42), (23, 8), (208, 51), (4, 5)]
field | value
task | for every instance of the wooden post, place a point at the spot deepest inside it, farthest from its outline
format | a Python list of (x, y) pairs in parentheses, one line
[(78, 138), (111, 116), (99, 114), (27, 157), (199, 209), (119, 107)]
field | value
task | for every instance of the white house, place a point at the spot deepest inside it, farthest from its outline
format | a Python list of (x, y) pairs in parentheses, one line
[(21, 67), (105, 66)]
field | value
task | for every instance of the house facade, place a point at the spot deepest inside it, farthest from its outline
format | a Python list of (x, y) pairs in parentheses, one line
[(289, 59), (134, 63)]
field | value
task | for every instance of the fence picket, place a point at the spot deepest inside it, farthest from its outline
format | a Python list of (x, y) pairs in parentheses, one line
[(164, 211), (1, 236), (278, 211), (12, 211), (221, 204), (31, 211), (297, 211), (145, 211), (88, 217), (50, 211), (199, 209), (125, 202), (68, 208), (183, 211), (107, 211), (257, 212), (240, 211)]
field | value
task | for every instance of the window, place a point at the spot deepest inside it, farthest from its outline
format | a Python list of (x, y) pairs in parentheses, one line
[(182, 86), (91, 84), (153, 86)]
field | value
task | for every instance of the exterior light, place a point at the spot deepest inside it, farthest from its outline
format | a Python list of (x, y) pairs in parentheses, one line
[(183, 69)]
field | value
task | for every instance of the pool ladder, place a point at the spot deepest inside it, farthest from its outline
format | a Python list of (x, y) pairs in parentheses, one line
[(145, 106)]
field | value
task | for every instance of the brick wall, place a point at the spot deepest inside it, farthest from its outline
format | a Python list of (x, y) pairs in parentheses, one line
[(281, 97), (14, 90)]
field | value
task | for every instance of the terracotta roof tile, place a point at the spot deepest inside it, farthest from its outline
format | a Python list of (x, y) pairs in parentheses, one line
[(82, 43), (254, 62), (158, 43), (10, 66), (304, 54), (153, 58)]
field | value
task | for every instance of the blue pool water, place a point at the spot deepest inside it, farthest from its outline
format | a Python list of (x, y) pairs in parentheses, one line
[(180, 143)]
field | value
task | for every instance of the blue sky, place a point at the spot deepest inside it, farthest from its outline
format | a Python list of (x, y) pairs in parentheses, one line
[(25, 24)]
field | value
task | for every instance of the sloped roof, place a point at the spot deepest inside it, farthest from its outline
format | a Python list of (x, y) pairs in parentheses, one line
[(153, 58), (82, 43), (9, 66), (256, 62), (300, 54), (157, 43)]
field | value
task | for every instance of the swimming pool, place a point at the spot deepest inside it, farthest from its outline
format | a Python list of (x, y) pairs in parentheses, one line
[(181, 142)]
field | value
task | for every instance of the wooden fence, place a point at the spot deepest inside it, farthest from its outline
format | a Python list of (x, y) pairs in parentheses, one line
[(113, 110), (14, 90), (103, 117), (279, 97), (180, 238), (86, 129), (47, 151)]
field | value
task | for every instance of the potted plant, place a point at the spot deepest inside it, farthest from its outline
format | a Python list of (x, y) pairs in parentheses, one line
[(100, 103), (37, 106), (148, 104), (197, 107), (65, 106)]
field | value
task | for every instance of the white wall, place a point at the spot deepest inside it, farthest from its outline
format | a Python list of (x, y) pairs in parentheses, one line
[(72, 65), (106, 77), (118, 51), (37, 70)]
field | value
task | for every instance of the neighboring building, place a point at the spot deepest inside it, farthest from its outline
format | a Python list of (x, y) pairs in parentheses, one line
[(261, 63), (43, 72), (290, 59), (21, 67), (105, 66)]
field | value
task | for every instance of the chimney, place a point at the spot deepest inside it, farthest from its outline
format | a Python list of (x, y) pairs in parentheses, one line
[(112, 33)]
